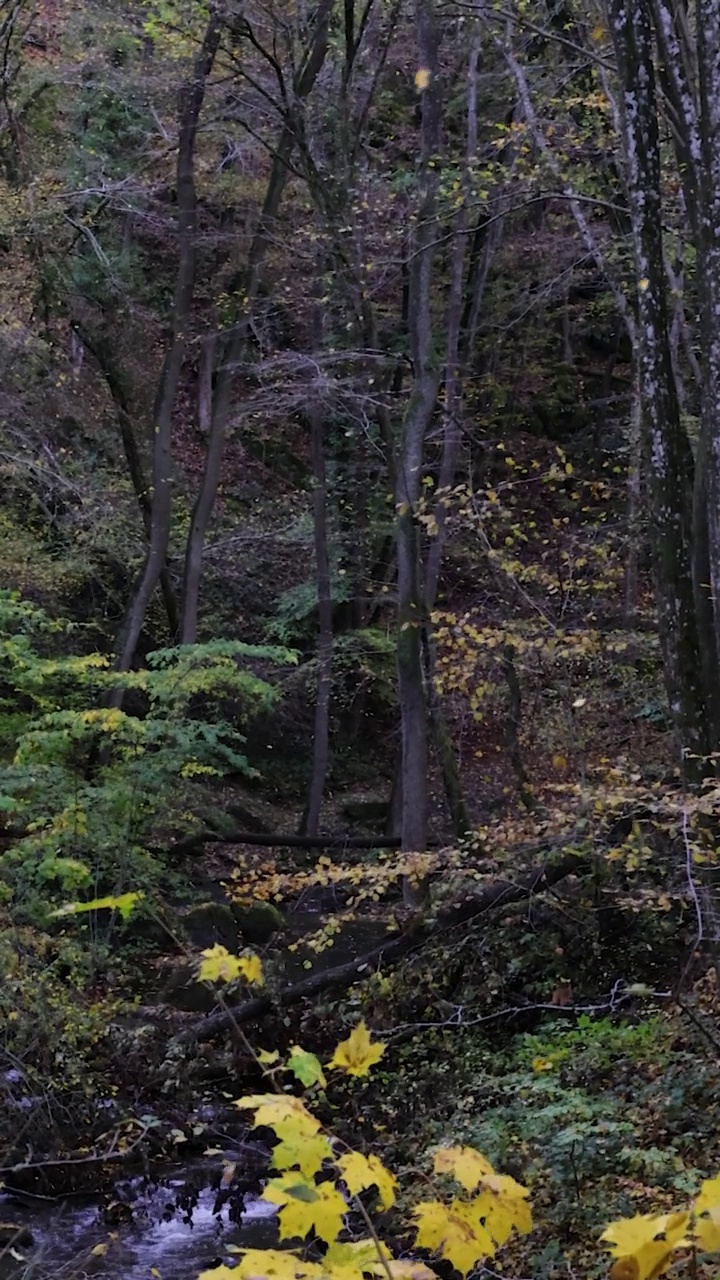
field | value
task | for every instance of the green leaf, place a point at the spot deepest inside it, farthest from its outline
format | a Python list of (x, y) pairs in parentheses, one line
[(306, 1067)]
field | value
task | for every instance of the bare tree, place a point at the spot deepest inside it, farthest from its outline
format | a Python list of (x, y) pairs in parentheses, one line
[(412, 694), (231, 347), (191, 101)]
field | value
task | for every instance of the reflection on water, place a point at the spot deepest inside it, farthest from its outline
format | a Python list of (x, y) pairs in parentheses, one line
[(191, 1240)]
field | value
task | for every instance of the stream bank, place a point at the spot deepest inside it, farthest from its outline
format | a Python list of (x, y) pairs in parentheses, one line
[(172, 1228)]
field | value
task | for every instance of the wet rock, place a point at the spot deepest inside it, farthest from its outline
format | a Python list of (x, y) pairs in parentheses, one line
[(209, 924), (258, 922)]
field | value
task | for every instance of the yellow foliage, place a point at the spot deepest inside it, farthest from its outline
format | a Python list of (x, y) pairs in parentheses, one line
[(257, 1263), (359, 1172), (357, 1055), (466, 1165), (403, 1269), (706, 1229), (455, 1232), (306, 1206), (503, 1207), (218, 965), (123, 902), (305, 1151), (287, 1116), (648, 1241), (502, 1203), (352, 1260)]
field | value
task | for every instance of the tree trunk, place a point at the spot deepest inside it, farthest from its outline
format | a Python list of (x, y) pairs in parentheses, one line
[(192, 99), (667, 459), (232, 350), (99, 347), (411, 606), (321, 735)]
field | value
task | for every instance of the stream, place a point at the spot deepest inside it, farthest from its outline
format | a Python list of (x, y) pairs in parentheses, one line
[(176, 1231), (171, 1228)]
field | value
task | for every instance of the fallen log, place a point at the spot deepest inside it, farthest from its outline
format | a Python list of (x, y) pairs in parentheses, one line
[(497, 893)]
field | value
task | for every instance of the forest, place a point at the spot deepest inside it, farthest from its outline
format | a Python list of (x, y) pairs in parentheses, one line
[(359, 639)]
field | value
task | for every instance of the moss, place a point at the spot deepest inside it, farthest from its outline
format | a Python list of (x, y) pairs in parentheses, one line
[(257, 923)]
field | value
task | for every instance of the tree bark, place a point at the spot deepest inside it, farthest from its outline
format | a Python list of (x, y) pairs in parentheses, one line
[(321, 735), (99, 348), (423, 396), (666, 452), (192, 98), (232, 348)]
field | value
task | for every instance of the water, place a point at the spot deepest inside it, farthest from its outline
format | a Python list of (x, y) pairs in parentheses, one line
[(193, 1239)]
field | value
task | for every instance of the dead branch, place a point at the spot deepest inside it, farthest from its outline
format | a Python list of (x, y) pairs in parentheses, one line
[(497, 893)]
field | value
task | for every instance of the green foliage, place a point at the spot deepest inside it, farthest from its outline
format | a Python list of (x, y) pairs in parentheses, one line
[(88, 782)]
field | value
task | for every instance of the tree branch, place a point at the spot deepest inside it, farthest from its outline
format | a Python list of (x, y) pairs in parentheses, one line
[(497, 893)]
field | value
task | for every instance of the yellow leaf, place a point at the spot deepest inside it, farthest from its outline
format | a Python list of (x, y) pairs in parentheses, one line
[(356, 1055), (218, 965), (465, 1164), (305, 1206), (403, 1269), (502, 1206), (305, 1151), (99, 1250), (422, 79), (350, 1260), (267, 1056), (643, 284), (360, 1172), (258, 1263), (649, 1239), (707, 1216), (454, 1232), (124, 903), (287, 1116)]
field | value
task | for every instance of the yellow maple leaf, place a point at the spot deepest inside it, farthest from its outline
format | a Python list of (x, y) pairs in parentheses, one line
[(454, 1232), (466, 1165), (351, 1260), (422, 79), (306, 1206), (359, 1172), (356, 1055), (286, 1115), (218, 965), (281, 1263), (502, 1206), (707, 1216), (649, 1240), (403, 1269), (303, 1150)]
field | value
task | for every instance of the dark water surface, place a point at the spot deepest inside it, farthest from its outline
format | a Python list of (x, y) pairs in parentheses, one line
[(191, 1240)]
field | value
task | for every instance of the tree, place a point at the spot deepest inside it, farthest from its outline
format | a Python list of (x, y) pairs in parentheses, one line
[(191, 102), (683, 494)]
